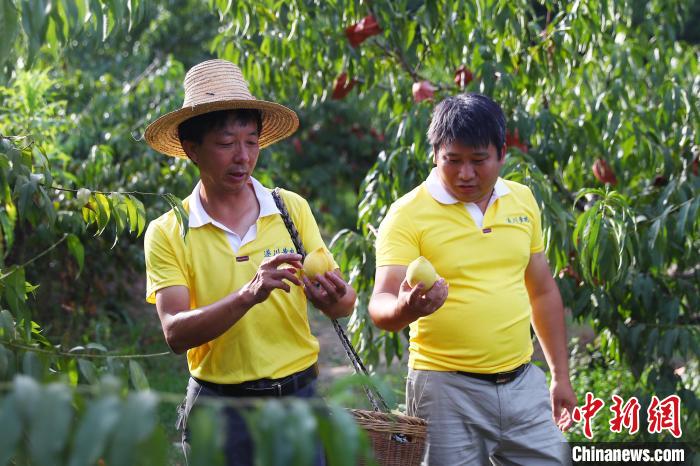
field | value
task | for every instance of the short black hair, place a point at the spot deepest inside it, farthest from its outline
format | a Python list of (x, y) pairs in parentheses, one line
[(197, 127), (473, 120)]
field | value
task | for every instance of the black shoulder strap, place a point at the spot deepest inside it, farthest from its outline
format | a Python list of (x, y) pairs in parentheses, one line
[(375, 398)]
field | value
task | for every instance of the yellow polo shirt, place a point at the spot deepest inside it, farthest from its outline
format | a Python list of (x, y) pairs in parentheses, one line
[(273, 339), (484, 325)]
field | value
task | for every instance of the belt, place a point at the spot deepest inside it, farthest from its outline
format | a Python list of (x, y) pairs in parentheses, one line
[(498, 377), (264, 387)]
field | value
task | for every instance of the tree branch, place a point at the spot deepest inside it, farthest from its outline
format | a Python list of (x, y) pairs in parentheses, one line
[(46, 251)]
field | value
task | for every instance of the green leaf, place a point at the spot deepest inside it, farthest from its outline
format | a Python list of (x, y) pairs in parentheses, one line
[(141, 217), (113, 14), (57, 25), (135, 213), (7, 223), (136, 423), (49, 431), (682, 219), (156, 449), (77, 250), (654, 233), (25, 189), (11, 424), (7, 325), (96, 346), (119, 214), (138, 376), (6, 360), (71, 371), (410, 33), (301, 431), (27, 392), (266, 425), (180, 214), (206, 446), (9, 26), (35, 22), (117, 368), (284, 433), (94, 431), (14, 288), (119, 200), (131, 212), (341, 437), (89, 371), (103, 212), (32, 365)]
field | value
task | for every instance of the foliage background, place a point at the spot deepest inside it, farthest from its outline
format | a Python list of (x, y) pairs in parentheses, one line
[(580, 82)]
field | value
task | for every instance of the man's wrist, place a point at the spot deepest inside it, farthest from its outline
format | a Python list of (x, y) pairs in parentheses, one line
[(561, 376), (246, 298), (405, 314)]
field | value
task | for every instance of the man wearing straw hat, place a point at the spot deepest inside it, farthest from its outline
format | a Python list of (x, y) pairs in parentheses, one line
[(229, 292), (469, 374)]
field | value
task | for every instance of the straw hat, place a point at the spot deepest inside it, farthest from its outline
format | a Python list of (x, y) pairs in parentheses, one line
[(218, 85)]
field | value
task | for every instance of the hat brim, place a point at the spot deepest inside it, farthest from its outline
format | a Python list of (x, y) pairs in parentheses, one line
[(278, 122)]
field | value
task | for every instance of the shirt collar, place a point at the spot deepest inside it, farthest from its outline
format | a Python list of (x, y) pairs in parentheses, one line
[(199, 217), (436, 189)]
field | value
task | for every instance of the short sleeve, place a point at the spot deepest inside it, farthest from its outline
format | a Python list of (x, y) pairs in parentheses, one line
[(397, 240), (164, 265), (536, 240)]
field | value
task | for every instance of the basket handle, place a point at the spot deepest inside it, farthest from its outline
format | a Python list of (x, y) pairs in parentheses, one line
[(374, 397)]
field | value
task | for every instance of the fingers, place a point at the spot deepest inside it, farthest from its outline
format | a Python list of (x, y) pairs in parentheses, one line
[(291, 259), (566, 419), (438, 293), (415, 294), (315, 293), (338, 283), (563, 404), (273, 275), (563, 420), (307, 283), (280, 285), (312, 293), (328, 288), (287, 274)]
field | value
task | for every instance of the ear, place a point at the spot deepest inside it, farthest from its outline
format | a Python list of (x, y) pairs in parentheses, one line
[(190, 148), (503, 154)]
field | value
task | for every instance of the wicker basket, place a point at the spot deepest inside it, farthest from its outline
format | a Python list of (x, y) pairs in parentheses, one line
[(397, 440)]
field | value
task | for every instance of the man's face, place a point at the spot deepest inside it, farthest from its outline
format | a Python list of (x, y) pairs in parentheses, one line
[(227, 155), (469, 173)]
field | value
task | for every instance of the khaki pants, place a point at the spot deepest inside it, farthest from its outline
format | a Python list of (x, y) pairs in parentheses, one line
[(477, 422)]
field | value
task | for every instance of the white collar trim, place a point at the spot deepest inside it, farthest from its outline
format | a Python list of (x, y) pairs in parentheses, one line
[(199, 217)]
